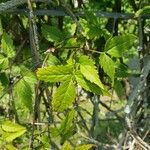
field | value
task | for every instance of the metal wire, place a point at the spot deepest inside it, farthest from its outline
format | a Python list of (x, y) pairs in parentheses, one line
[(14, 3)]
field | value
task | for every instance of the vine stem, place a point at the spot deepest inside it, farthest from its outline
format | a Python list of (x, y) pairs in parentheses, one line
[(34, 43)]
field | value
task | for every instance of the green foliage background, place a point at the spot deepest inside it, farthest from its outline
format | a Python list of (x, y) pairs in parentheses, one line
[(74, 97)]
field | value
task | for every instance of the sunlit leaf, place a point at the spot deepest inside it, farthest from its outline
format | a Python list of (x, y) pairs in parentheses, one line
[(69, 28), (55, 73), (88, 69), (28, 75), (143, 11), (84, 24), (67, 128), (10, 147), (64, 96), (84, 147), (118, 45), (66, 146), (72, 42), (44, 140), (9, 126), (12, 130), (53, 60), (67, 122), (4, 62), (87, 85), (7, 45), (108, 65), (23, 93), (52, 33), (54, 131), (13, 135)]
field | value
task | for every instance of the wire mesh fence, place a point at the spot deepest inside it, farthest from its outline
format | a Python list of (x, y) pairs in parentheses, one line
[(141, 90)]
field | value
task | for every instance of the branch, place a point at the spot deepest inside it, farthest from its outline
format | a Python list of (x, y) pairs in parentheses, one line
[(95, 117), (97, 143), (140, 141), (133, 133), (109, 109), (133, 98)]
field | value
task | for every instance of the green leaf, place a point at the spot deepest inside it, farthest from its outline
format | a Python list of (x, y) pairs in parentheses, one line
[(72, 42), (94, 31), (67, 122), (9, 137), (53, 60), (12, 130), (66, 146), (87, 85), (143, 11), (52, 33), (88, 70), (84, 24), (28, 76), (118, 45), (9, 126), (108, 65), (122, 71), (84, 147), (10, 147), (64, 96), (69, 28), (55, 73), (23, 93), (4, 79), (7, 45), (119, 88), (71, 131), (4, 62), (67, 128), (1, 27), (44, 140), (54, 131), (91, 17)]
